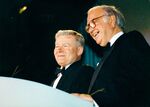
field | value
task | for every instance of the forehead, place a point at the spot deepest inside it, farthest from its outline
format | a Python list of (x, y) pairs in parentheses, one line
[(95, 12)]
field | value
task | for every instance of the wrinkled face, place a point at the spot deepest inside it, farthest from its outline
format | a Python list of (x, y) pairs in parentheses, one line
[(67, 50), (99, 26)]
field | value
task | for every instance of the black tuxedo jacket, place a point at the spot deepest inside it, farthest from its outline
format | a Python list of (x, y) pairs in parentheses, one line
[(76, 78), (124, 78)]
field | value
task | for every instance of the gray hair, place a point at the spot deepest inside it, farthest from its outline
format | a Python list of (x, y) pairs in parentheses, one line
[(112, 10), (79, 37)]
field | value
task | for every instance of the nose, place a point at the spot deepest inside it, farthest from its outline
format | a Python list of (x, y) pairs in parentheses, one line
[(90, 27), (59, 49)]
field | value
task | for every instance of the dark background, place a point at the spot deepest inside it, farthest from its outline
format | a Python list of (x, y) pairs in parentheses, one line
[(27, 39)]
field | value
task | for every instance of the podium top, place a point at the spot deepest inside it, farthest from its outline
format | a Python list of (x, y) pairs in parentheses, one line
[(24, 93)]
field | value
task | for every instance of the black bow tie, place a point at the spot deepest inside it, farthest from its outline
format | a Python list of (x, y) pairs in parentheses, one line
[(108, 45), (58, 70)]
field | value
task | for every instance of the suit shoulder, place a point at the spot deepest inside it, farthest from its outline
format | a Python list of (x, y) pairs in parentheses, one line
[(137, 38), (134, 32), (87, 67)]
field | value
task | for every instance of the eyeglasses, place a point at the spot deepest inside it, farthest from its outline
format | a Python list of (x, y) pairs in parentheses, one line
[(92, 23)]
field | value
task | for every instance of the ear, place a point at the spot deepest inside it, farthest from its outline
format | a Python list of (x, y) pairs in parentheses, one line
[(80, 50), (113, 20), (106, 19), (110, 20)]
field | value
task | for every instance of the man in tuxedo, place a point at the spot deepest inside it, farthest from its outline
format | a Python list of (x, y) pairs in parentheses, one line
[(122, 78), (74, 76)]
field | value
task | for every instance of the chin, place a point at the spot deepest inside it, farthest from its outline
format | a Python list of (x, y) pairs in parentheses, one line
[(97, 42), (102, 45)]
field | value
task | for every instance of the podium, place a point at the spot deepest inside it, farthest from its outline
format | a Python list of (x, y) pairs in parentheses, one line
[(24, 93)]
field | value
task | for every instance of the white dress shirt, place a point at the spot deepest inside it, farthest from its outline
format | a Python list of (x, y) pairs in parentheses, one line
[(59, 77)]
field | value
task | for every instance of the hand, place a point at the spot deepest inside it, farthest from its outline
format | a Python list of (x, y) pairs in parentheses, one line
[(84, 96)]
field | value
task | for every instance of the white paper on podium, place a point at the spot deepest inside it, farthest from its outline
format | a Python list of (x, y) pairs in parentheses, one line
[(24, 93)]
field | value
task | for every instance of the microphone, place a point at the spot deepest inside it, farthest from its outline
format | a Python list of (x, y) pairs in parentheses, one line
[(16, 70)]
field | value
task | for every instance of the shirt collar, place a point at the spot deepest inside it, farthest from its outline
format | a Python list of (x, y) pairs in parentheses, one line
[(65, 66), (115, 37)]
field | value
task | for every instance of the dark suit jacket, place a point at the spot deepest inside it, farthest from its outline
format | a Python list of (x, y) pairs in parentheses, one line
[(124, 78), (76, 78)]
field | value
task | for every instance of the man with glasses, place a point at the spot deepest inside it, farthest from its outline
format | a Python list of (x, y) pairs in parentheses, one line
[(122, 78)]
